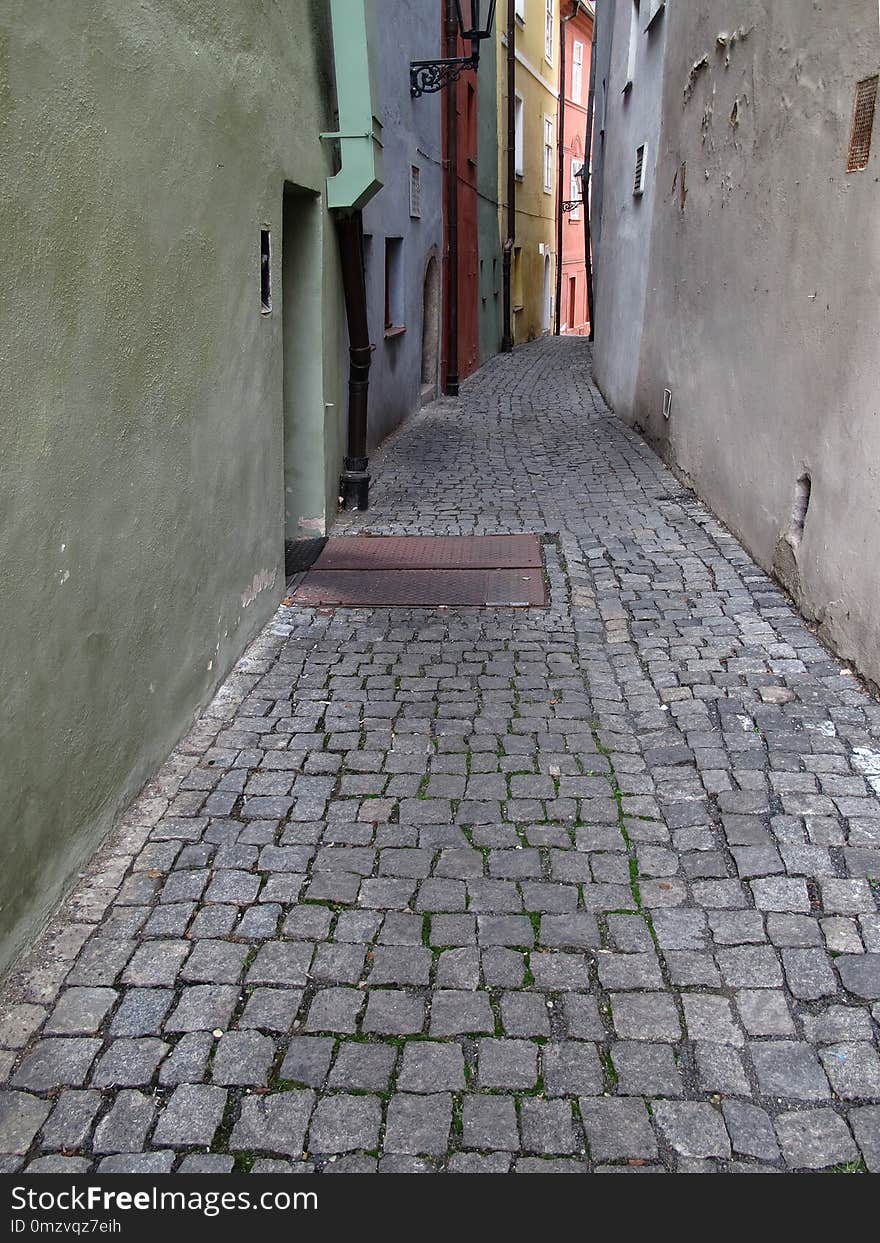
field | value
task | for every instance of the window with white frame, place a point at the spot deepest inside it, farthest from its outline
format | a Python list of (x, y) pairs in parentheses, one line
[(520, 10), (549, 27), (394, 287), (575, 191), (519, 142), (633, 45), (548, 155), (577, 73)]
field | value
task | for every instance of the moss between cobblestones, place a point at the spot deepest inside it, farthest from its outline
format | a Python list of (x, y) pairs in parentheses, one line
[(849, 1167)]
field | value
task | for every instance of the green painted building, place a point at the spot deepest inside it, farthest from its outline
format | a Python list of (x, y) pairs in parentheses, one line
[(173, 352)]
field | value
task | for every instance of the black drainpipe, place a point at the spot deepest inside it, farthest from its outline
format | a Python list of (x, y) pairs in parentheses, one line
[(451, 209), (507, 256), (355, 480), (560, 169)]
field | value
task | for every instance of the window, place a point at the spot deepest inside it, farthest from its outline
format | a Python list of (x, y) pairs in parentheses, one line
[(394, 317), (575, 191), (548, 155), (471, 133), (265, 272), (516, 282), (519, 136), (415, 191), (549, 25), (633, 45), (639, 179), (577, 73), (520, 10)]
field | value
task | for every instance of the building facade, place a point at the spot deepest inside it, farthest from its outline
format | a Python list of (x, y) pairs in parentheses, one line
[(576, 39), (461, 290), (536, 44), (737, 243), (174, 355), (403, 224)]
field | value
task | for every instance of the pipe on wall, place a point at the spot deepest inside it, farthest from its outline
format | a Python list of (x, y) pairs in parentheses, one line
[(355, 479), (510, 240), (451, 101), (585, 183), (560, 165)]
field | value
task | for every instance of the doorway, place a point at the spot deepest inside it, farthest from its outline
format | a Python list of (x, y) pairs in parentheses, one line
[(546, 308), (303, 373), (572, 304), (430, 331)]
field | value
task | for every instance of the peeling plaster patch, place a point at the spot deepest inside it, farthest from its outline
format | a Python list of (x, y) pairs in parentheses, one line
[(263, 581), (867, 762), (696, 69), (727, 40)]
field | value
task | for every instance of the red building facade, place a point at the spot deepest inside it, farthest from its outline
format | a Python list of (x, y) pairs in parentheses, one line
[(577, 24), (460, 224)]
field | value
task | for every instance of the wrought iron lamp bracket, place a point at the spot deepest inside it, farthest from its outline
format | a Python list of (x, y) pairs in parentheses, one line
[(427, 76)]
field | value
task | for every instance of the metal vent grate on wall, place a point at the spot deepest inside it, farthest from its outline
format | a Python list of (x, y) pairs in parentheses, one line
[(863, 124), (639, 179)]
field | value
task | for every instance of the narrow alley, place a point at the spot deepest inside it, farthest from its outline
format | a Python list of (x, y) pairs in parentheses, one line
[(488, 889)]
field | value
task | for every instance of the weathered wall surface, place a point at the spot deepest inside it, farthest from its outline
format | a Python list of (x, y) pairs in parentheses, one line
[(763, 288), (143, 145), (407, 30)]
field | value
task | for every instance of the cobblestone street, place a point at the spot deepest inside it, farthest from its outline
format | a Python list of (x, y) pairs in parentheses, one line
[(570, 889)]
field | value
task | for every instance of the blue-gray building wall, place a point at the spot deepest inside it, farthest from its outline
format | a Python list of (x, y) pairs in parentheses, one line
[(407, 30)]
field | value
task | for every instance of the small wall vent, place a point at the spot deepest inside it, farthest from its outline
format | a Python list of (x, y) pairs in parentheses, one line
[(667, 402), (639, 179), (862, 124)]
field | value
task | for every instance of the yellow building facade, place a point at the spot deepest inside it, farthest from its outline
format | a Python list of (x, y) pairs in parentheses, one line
[(536, 80)]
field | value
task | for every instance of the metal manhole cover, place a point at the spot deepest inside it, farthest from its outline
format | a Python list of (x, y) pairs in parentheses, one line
[(517, 588), (422, 552)]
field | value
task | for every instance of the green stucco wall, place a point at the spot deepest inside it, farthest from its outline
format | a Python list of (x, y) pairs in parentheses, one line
[(143, 143), (488, 233)]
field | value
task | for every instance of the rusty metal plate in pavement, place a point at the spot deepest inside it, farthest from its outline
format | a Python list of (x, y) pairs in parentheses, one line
[(507, 588), (423, 552)]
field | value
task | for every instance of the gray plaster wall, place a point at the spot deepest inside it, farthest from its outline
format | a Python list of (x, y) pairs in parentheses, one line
[(407, 30), (763, 288), (629, 119), (143, 416)]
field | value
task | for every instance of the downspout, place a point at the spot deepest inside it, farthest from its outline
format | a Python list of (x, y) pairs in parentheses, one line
[(358, 179), (451, 209), (355, 479), (560, 164), (585, 182), (507, 256)]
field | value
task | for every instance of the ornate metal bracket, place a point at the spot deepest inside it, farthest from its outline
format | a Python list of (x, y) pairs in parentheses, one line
[(427, 76), (573, 205)]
